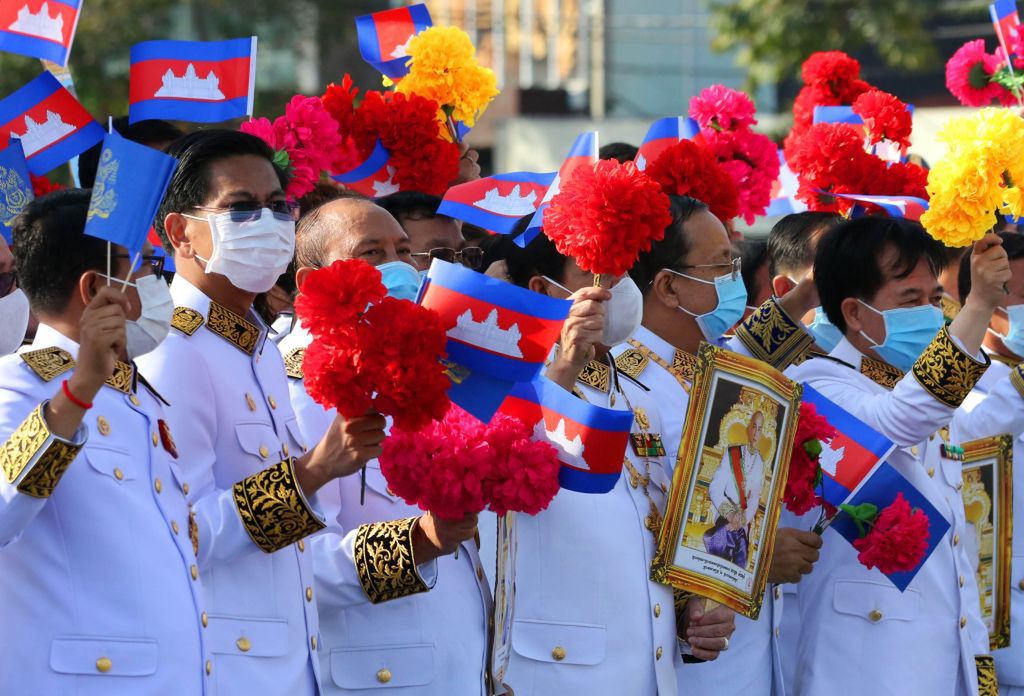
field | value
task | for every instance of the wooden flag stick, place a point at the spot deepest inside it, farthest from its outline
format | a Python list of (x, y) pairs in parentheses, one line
[(135, 260)]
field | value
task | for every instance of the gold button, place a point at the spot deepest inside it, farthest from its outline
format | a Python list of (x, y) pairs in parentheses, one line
[(657, 610), (302, 545), (658, 653), (384, 675), (103, 664), (956, 540), (134, 399), (156, 439), (118, 474), (961, 581), (558, 653), (284, 448), (312, 642), (875, 615), (243, 644), (931, 471), (309, 594), (195, 572), (103, 425), (272, 401), (963, 621), (915, 450), (264, 452), (209, 666), (174, 526), (251, 402), (184, 488), (158, 485), (777, 633), (205, 619)]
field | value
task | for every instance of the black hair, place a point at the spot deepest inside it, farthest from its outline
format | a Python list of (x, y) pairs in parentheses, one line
[(753, 256), (791, 241), (196, 152), (51, 250), (539, 258), (410, 205), (148, 132), (622, 152), (849, 256), (1013, 243), (673, 247)]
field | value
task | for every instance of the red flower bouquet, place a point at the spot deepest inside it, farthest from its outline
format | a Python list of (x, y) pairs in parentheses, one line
[(893, 540), (805, 477), (606, 215), (42, 185), (691, 169), (885, 117), (460, 466)]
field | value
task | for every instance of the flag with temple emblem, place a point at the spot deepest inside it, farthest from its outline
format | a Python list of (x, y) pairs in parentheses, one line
[(497, 202), (384, 37), (15, 187), (584, 153), (200, 81), (41, 29), (375, 177), (591, 441), (52, 125), (1006, 21), (909, 207), (663, 134), (130, 183)]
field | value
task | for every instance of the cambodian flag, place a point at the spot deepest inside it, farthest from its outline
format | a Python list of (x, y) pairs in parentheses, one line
[(1005, 20), (41, 29), (880, 489), (583, 153), (498, 202), (15, 187), (784, 200), (663, 134), (852, 455), (201, 81), (909, 207), (374, 178), (591, 440), (52, 125), (384, 37)]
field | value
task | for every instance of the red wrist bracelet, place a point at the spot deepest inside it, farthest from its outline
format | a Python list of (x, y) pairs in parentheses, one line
[(85, 405)]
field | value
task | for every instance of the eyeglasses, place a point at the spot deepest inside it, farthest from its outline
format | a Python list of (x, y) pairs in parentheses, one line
[(247, 211), (470, 257), (733, 266), (156, 263), (8, 281)]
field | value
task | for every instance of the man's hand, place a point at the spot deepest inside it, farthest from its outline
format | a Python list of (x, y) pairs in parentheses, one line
[(707, 632), (803, 298), (581, 331), (434, 537), (990, 271), (469, 168), (736, 521), (796, 552), (344, 449)]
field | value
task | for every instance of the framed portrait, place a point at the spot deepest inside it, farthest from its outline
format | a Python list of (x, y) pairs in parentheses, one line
[(723, 508), (988, 505)]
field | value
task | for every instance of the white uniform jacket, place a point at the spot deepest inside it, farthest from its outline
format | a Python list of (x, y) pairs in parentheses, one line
[(99, 589), (858, 632), (374, 640), (237, 435)]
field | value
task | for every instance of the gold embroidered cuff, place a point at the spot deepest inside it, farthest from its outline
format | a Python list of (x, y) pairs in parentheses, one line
[(34, 458), (273, 509), (385, 561), (946, 372), (987, 683), (771, 336)]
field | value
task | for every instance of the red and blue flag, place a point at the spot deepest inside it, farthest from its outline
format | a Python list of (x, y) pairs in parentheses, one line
[(1006, 21), (375, 177), (591, 440), (498, 202), (43, 29), (52, 125), (384, 37), (583, 153), (200, 81), (15, 187), (663, 134), (909, 207)]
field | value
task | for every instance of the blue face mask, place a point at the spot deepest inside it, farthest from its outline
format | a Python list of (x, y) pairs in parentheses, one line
[(825, 333), (732, 300), (908, 331), (1014, 338), (401, 280)]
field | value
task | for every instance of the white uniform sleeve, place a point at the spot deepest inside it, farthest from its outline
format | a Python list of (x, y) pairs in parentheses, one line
[(1001, 411)]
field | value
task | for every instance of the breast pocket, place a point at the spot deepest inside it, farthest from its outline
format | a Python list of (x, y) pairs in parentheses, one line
[(116, 657), (246, 635), (298, 445), (258, 439), (114, 463), (384, 667), (565, 643), (875, 602)]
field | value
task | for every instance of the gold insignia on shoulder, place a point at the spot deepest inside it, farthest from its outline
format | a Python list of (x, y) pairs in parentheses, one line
[(772, 337), (33, 447), (632, 363), (122, 378), (946, 372), (879, 372), (49, 363), (273, 509), (684, 364), (293, 362), (231, 327), (186, 320), (596, 375), (385, 562)]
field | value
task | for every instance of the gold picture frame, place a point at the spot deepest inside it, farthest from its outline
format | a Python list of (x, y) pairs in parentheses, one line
[(988, 505), (716, 541)]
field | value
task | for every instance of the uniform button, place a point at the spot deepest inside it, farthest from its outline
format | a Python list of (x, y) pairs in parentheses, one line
[(103, 425), (272, 401), (155, 438), (309, 594), (158, 485), (558, 653), (250, 402), (264, 452), (243, 644), (931, 471), (915, 450), (184, 488), (103, 664), (118, 474), (875, 615), (961, 581), (657, 610), (174, 526), (963, 621), (384, 675), (134, 399), (195, 572), (657, 655), (302, 545), (205, 619), (777, 633), (284, 448), (956, 540), (209, 666), (312, 642)]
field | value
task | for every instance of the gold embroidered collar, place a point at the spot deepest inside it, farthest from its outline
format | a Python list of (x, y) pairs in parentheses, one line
[(596, 375), (683, 364), (123, 378), (879, 372), (50, 363), (234, 329)]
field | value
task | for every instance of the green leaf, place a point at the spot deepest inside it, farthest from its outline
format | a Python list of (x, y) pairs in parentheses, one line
[(863, 515), (813, 448), (282, 160)]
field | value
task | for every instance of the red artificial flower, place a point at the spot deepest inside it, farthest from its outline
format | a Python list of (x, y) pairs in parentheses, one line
[(41, 186), (525, 477), (752, 162), (812, 430), (334, 378), (606, 215), (332, 299), (885, 117), (690, 169), (898, 539), (969, 75), (830, 157), (834, 69), (720, 108)]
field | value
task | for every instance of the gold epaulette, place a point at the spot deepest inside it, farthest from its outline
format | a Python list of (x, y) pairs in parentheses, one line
[(632, 363), (293, 362), (234, 329), (596, 375), (186, 320), (49, 363), (946, 372), (772, 337), (273, 509), (385, 561), (881, 373)]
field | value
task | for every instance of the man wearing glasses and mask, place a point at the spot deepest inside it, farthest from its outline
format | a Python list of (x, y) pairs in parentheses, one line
[(431, 236), (14, 312)]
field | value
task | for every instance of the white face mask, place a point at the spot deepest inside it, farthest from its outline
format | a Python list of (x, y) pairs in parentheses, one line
[(251, 254), (13, 321), (154, 322), (624, 312)]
